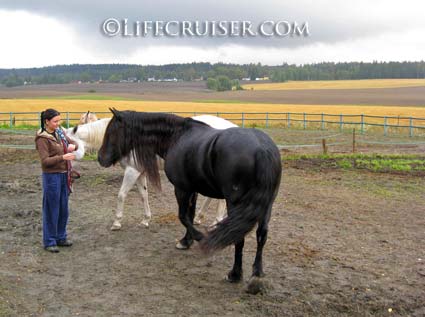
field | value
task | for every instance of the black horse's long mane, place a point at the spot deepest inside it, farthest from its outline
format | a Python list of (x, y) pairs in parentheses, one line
[(148, 134)]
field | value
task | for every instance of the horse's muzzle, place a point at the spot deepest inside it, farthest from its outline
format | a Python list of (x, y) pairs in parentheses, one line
[(103, 162)]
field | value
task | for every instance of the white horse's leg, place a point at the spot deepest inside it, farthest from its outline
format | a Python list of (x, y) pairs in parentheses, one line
[(142, 185), (221, 211), (200, 215), (130, 177)]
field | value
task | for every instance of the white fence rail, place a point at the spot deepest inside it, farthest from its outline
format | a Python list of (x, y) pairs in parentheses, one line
[(411, 126)]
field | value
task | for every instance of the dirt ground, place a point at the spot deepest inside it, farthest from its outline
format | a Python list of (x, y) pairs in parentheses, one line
[(341, 243), (196, 91)]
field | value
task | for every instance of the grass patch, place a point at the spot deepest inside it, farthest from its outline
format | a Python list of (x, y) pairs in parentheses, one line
[(372, 162), (90, 156), (93, 180), (6, 127)]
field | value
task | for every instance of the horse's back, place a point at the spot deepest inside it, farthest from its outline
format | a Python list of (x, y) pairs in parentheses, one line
[(241, 158), (218, 162), (215, 122)]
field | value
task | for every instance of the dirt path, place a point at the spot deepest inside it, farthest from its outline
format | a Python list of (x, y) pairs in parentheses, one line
[(340, 244)]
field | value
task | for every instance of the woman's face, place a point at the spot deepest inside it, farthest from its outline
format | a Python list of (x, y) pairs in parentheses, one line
[(53, 124)]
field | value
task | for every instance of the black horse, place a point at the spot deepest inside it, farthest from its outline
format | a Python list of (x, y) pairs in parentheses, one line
[(242, 166)]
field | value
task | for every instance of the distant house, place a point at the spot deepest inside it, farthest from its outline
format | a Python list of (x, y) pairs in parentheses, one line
[(261, 78), (151, 79), (131, 79), (246, 79)]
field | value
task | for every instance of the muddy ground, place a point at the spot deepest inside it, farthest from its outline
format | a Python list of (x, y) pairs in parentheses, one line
[(196, 91), (341, 243)]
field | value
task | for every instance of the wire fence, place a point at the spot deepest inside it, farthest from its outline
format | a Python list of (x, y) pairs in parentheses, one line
[(396, 125)]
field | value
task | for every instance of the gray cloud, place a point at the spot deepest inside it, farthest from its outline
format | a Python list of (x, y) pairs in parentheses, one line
[(330, 21)]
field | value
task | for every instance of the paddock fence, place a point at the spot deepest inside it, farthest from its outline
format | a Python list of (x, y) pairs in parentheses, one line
[(394, 125)]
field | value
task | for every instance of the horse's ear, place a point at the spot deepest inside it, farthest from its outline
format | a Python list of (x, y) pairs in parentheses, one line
[(75, 129), (88, 112), (116, 113)]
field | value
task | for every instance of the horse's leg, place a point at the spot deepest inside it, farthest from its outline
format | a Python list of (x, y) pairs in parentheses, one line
[(235, 275), (142, 185), (201, 213), (262, 230), (187, 206), (130, 178)]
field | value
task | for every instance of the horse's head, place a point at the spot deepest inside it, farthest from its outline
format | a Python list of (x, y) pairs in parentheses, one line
[(114, 146)]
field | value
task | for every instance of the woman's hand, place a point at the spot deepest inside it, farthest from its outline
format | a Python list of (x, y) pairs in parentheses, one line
[(71, 148), (69, 156)]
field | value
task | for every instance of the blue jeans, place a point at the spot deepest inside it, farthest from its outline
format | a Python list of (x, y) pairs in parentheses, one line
[(55, 208)]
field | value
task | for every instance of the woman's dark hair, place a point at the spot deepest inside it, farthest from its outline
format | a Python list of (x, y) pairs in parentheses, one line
[(47, 114)]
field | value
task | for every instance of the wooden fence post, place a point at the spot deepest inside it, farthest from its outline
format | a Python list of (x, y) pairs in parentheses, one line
[(323, 121), (288, 118), (385, 126), (354, 140), (325, 148), (411, 127)]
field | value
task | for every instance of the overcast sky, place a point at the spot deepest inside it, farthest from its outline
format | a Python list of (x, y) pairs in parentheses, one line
[(38, 33)]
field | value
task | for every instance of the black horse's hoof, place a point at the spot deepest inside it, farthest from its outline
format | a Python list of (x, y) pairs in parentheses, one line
[(183, 244), (233, 277), (198, 236)]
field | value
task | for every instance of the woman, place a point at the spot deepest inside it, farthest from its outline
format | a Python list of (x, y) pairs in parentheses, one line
[(55, 150)]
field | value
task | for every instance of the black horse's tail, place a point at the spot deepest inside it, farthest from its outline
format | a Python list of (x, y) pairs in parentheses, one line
[(253, 206)]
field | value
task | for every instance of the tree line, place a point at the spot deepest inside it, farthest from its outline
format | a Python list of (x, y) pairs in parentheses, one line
[(61, 74)]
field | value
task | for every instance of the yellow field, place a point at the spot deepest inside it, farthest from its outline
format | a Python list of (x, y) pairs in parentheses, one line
[(338, 84), (37, 105)]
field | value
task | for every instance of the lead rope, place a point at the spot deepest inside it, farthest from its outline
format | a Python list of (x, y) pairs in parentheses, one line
[(65, 144)]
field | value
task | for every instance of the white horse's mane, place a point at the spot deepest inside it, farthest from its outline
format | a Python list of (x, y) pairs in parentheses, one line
[(92, 133)]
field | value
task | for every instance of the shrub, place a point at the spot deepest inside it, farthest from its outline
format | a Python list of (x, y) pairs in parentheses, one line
[(212, 84), (224, 83)]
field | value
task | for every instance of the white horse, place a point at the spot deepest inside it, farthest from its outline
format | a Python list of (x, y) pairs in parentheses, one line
[(91, 136)]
